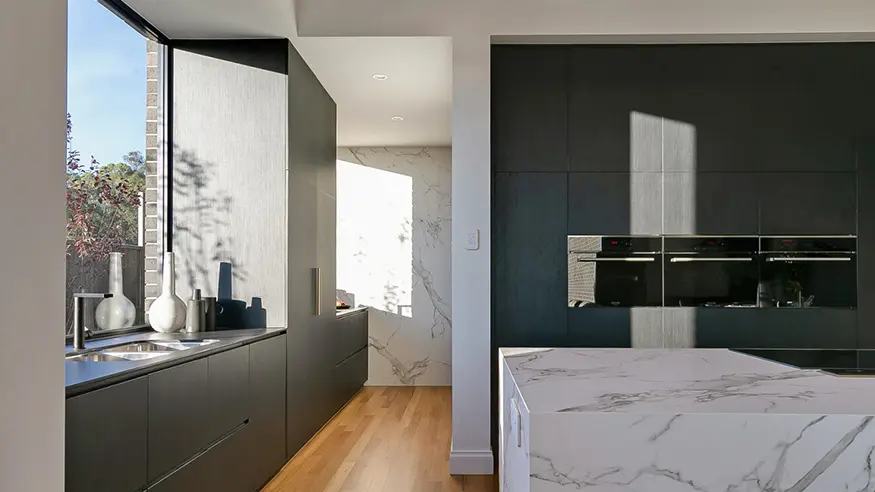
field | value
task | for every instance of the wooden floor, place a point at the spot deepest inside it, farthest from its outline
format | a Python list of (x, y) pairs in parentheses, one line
[(384, 440)]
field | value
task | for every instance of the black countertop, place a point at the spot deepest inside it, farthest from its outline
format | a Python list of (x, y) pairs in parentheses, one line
[(844, 361), (82, 377)]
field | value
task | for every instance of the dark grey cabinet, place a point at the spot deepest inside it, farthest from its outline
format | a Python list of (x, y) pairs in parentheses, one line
[(615, 110), (267, 408), (613, 203), (822, 328), (718, 203), (599, 327), (228, 390), (311, 263), (179, 405), (194, 405), (351, 369), (808, 203), (219, 468), (530, 258), (106, 439), (528, 108)]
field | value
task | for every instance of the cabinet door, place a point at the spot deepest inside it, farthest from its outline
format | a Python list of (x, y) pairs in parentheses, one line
[(351, 335), (599, 327), (808, 203), (228, 391), (221, 468), (710, 203), (530, 259), (615, 110), (820, 328), (267, 409), (179, 403), (614, 203), (528, 108), (106, 439), (326, 247)]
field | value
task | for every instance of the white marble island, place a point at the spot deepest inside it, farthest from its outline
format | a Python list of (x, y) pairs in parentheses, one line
[(661, 420)]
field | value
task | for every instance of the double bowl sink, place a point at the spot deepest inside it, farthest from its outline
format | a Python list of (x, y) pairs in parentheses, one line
[(141, 350)]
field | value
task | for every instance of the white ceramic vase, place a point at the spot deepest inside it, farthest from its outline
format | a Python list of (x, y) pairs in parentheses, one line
[(167, 313), (117, 311)]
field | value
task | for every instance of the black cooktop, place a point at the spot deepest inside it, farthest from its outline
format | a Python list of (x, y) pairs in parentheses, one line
[(850, 372)]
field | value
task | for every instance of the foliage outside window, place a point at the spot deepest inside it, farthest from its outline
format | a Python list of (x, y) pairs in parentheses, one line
[(105, 164)]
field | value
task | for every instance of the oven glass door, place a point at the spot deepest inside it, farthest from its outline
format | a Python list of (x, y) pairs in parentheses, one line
[(711, 272), (808, 272), (614, 271)]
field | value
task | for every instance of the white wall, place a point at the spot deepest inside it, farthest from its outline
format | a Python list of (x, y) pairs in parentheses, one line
[(471, 451), (33, 56), (393, 254)]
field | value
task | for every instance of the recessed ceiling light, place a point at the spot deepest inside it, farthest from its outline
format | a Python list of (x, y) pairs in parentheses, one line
[(397, 118), (380, 76)]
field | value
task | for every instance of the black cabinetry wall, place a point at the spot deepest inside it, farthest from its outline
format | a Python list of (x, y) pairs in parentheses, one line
[(265, 167), (687, 139)]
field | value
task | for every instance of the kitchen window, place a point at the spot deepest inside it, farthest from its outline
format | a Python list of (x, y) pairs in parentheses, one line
[(114, 165)]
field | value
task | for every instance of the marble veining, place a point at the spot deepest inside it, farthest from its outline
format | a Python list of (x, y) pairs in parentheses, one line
[(707, 420), (678, 381), (394, 255)]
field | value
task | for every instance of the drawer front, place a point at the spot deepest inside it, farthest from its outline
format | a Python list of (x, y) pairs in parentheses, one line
[(106, 439), (221, 468), (228, 391), (178, 404)]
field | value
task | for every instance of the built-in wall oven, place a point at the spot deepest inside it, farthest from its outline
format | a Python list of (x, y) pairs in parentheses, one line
[(711, 271), (614, 271), (807, 272)]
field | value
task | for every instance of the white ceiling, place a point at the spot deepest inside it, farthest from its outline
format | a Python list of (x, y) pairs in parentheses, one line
[(419, 69)]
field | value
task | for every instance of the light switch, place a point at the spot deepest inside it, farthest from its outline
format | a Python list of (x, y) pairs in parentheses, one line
[(472, 239)]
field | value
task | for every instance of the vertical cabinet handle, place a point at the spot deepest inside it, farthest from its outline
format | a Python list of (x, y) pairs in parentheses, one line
[(317, 272)]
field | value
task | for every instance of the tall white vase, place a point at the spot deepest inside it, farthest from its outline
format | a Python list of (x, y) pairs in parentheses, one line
[(167, 313), (117, 311)]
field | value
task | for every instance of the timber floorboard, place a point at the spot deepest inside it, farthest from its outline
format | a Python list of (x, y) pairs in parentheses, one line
[(386, 439)]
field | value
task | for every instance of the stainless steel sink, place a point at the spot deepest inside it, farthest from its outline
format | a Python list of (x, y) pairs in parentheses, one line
[(142, 350), (141, 347), (95, 357), (107, 356), (186, 343)]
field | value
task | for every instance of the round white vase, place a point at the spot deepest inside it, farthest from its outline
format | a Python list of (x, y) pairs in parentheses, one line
[(117, 311), (167, 313)]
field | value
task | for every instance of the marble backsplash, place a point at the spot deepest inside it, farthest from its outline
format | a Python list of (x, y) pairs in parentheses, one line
[(394, 255)]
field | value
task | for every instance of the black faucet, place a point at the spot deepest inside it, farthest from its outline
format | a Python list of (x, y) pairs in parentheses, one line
[(79, 317)]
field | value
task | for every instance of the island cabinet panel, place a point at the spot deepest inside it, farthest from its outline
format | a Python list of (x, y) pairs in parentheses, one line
[(267, 404), (106, 439)]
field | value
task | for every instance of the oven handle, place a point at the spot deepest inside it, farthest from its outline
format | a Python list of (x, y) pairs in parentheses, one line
[(691, 259), (808, 258), (631, 259)]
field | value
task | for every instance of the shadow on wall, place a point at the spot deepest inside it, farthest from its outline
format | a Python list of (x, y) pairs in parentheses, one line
[(394, 254), (203, 245)]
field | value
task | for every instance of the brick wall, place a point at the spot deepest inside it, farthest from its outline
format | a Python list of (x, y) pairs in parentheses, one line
[(152, 237)]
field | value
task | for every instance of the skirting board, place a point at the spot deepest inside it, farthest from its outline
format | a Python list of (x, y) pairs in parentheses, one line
[(467, 462)]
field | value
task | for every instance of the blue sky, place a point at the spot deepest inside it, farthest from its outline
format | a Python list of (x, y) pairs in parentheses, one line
[(106, 82)]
